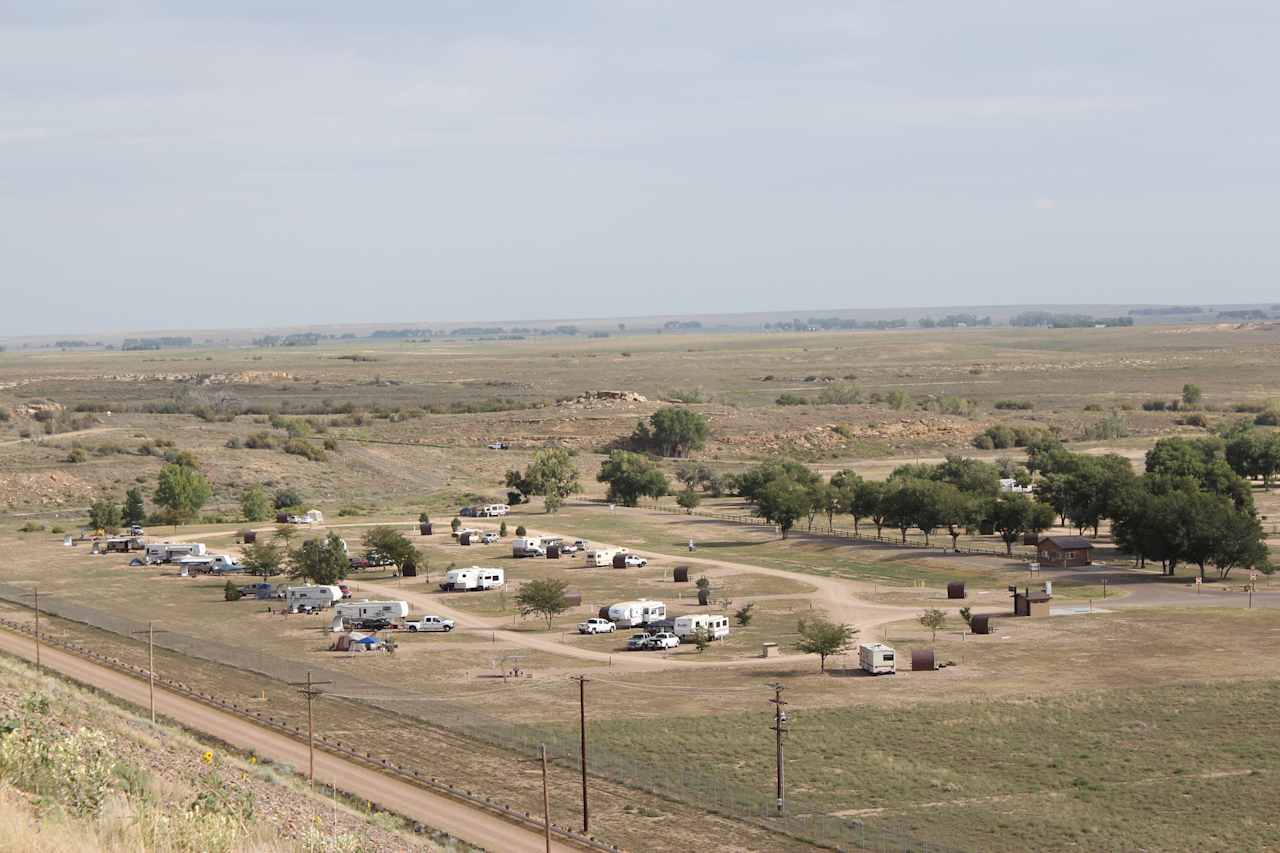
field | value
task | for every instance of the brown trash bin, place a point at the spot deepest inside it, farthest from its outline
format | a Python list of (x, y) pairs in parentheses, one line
[(982, 624), (424, 528), (553, 552), (464, 538), (619, 561), (681, 574), (955, 589), (922, 660), (248, 537)]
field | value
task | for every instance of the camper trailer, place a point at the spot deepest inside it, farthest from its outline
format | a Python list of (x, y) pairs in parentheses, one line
[(715, 626), (877, 659), (210, 564), (493, 510), (474, 579), (125, 543), (168, 552), (528, 546), (629, 614), (358, 611), (603, 556), (311, 597), (312, 516)]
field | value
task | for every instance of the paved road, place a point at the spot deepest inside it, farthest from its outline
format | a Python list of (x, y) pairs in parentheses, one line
[(458, 819)]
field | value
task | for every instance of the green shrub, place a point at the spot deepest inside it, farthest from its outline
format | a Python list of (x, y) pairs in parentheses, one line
[(789, 399), (77, 454), (305, 449), (1015, 405)]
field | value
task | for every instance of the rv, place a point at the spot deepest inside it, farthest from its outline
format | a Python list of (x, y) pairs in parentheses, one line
[(603, 556), (528, 546), (457, 534), (358, 611), (877, 659), (311, 597), (629, 614), (313, 516), (474, 579), (210, 564), (125, 543), (493, 510), (167, 552), (715, 626)]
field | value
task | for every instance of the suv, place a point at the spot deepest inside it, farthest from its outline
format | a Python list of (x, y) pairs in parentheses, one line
[(639, 643), (663, 640), (568, 548), (429, 623), (499, 445), (635, 561), (489, 538), (596, 625)]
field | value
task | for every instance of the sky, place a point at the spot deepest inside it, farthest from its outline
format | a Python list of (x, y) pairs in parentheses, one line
[(289, 162)]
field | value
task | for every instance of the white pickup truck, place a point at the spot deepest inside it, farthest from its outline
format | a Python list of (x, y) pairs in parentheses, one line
[(429, 623), (596, 625)]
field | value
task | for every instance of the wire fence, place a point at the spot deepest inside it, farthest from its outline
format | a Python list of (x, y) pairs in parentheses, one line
[(936, 542), (702, 786)]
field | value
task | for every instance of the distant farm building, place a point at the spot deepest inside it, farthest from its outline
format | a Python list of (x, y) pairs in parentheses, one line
[(1064, 551)]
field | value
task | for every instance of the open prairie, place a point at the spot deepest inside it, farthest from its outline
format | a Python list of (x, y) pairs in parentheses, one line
[(1103, 725)]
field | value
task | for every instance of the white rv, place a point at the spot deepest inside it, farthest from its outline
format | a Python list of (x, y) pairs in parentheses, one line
[(493, 510), (528, 546), (355, 611), (715, 626), (474, 579), (167, 552), (313, 516), (314, 597), (602, 556), (210, 564), (629, 614), (877, 659)]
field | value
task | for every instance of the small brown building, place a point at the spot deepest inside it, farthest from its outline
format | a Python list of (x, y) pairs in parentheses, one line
[(1031, 603), (1064, 551)]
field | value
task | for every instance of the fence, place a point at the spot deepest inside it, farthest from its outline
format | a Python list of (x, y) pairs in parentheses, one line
[(897, 541), (700, 787)]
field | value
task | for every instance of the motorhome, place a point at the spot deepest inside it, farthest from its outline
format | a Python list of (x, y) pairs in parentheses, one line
[(877, 659), (528, 546), (714, 625), (493, 510), (210, 564), (167, 552), (629, 614), (356, 611), (125, 543), (603, 556), (311, 597), (474, 579)]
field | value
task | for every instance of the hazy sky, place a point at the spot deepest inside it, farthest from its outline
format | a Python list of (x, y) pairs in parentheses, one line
[(167, 165)]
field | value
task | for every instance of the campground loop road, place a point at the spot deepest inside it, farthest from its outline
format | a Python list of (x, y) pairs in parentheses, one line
[(472, 824)]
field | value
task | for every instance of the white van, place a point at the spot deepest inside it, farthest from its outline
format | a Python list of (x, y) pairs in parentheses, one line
[(877, 659), (311, 597), (356, 611), (528, 546), (474, 579), (716, 626), (629, 614)]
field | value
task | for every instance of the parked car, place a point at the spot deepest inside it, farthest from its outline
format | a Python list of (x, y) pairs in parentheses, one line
[(377, 558), (346, 590), (634, 561), (581, 544), (489, 538), (429, 623), (663, 640), (568, 548), (596, 625), (499, 445), (359, 563), (135, 530), (638, 643)]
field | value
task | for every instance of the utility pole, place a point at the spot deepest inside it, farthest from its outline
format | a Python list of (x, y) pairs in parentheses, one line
[(779, 728), (35, 592), (151, 663), (546, 800), (309, 690), (582, 739)]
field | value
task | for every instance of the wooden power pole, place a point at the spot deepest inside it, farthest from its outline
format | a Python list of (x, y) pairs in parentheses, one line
[(582, 740), (309, 690), (151, 664), (779, 728), (546, 801)]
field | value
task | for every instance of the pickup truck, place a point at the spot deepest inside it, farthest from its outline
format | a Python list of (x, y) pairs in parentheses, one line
[(596, 625), (429, 623)]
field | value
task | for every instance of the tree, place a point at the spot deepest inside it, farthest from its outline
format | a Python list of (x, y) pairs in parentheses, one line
[(543, 597), (322, 561), (701, 639), (104, 515), (865, 500), (181, 492), (783, 501), (288, 498), (743, 614), (689, 500), (264, 559), (1014, 514), (695, 474), (254, 504), (956, 511), (285, 533), (630, 477), (423, 518), (551, 474), (827, 499), (391, 544), (502, 530), (824, 638), (135, 511), (520, 531), (230, 592), (933, 619), (672, 431), (455, 524), (1191, 394)]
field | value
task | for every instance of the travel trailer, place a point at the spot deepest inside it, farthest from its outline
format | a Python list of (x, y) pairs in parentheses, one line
[(355, 611), (311, 597), (528, 546), (474, 579), (877, 659), (603, 556), (210, 564), (716, 626), (629, 614), (168, 552)]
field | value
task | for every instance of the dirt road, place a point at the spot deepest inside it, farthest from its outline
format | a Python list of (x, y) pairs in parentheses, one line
[(459, 820)]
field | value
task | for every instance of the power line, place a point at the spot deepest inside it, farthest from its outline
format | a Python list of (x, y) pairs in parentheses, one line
[(309, 690)]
